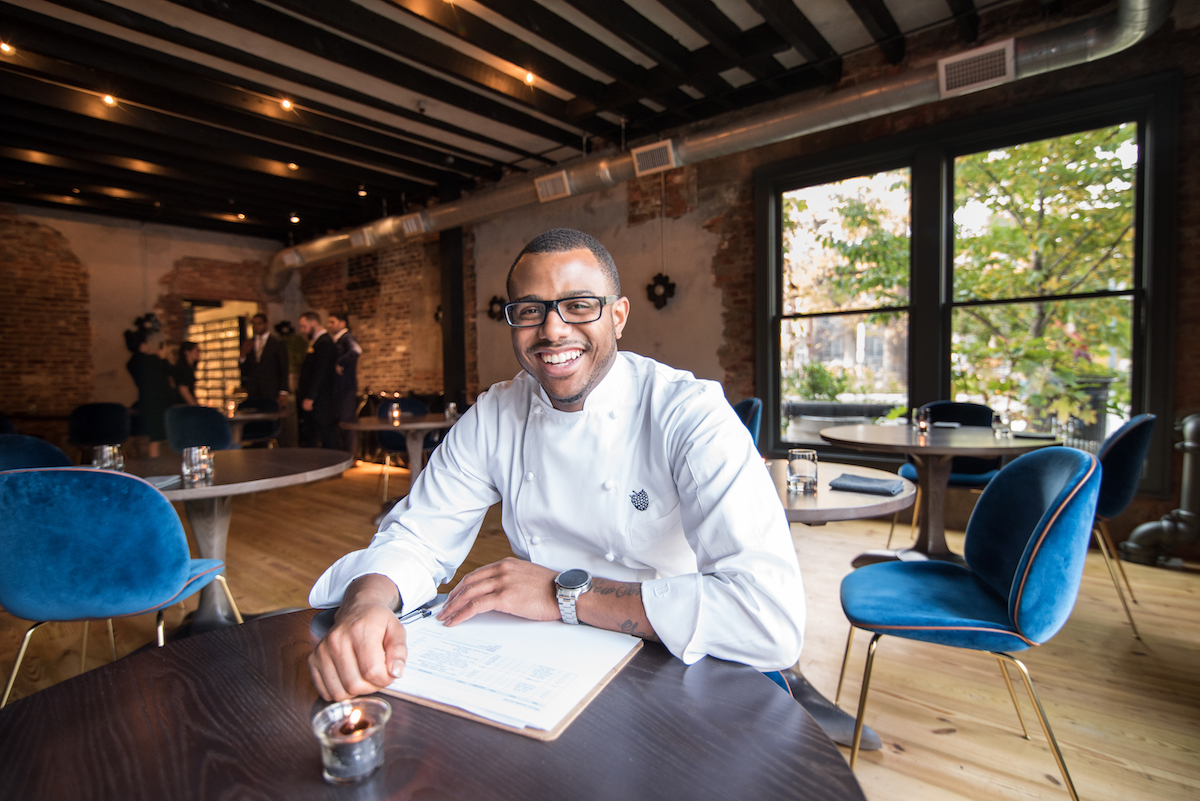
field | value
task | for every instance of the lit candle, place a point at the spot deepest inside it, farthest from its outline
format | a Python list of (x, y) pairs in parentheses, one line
[(395, 414), (351, 734)]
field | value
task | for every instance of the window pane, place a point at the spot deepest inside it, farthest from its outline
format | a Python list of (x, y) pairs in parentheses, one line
[(1066, 361), (846, 244), (841, 369), (1042, 218)]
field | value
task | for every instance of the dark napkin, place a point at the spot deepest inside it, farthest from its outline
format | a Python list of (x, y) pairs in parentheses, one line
[(848, 482)]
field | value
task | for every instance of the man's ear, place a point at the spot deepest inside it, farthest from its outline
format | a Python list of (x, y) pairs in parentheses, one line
[(620, 314)]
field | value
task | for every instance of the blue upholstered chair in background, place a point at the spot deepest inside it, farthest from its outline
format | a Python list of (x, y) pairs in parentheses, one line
[(7, 426), (258, 431), (1122, 456), (80, 544), (749, 411), (1025, 548), (196, 426), (95, 424), (18, 451), (966, 472)]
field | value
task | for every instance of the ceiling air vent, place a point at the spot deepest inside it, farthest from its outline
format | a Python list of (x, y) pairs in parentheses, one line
[(653, 158), (976, 69), (362, 238), (553, 186), (412, 224)]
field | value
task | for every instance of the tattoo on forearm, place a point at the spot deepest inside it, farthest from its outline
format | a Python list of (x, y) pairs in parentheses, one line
[(618, 589), (631, 627)]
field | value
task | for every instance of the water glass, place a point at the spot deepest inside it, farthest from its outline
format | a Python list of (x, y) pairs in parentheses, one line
[(351, 734), (451, 411), (108, 457), (197, 466), (999, 425), (802, 471)]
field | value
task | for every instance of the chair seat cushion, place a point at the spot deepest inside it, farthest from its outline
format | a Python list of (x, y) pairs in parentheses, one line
[(938, 602), (965, 480)]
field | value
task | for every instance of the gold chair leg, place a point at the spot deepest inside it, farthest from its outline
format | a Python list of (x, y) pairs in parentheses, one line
[(160, 629), (862, 699), (916, 521), (12, 677), (892, 530), (387, 462), (237, 615), (845, 659), (1112, 552), (1041, 714), (1109, 557), (112, 640), (1012, 694), (83, 648)]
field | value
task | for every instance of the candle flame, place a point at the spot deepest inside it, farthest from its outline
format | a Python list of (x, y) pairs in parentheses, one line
[(354, 717)]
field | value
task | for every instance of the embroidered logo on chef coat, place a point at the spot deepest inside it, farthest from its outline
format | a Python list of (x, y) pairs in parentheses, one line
[(641, 501)]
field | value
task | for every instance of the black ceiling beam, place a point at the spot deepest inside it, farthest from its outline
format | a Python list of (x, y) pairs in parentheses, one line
[(966, 18), (706, 19), (880, 23), (288, 30), (146, 25), (796, 30)]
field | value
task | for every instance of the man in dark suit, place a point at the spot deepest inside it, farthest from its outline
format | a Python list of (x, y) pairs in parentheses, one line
[(348, 351), (264, 363), (318, 411)]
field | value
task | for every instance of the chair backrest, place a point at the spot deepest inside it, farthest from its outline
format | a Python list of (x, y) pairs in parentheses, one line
[(18, 451), (94, 424), (1123, 455), (967, 414), (749, 411), (194, 426), (260, 430), (1028, 536), (7, 426), (78, 544)]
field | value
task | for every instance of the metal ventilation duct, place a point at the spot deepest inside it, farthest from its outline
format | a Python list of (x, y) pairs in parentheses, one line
[(1074, 43)]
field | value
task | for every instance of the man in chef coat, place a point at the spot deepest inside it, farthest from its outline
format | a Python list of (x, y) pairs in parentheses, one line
[(608, 464)]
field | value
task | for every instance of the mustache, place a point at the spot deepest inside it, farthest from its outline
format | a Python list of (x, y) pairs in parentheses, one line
[(545, 343)]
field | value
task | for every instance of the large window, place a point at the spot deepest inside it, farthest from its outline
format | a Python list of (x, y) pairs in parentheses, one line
[(1022, 261)]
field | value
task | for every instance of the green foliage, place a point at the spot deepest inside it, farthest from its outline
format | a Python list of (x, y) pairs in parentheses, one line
[(816, 382)]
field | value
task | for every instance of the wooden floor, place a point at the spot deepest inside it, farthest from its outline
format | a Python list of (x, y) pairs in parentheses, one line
[(1127, 713)]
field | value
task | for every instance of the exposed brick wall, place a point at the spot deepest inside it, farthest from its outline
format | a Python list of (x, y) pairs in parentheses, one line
[(672, 192), (45, 327), (207, 279), (470, 314)]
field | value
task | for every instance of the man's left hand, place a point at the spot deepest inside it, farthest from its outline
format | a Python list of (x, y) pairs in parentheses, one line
[(511, 585)]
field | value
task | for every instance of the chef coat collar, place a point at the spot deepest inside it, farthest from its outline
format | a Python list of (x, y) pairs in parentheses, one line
[(612, 392)]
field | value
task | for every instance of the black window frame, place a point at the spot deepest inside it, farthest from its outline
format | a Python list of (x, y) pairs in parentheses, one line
[(1152, 103)]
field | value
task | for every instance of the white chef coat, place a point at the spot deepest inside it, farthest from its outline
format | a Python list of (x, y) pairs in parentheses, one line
[(655, 480)]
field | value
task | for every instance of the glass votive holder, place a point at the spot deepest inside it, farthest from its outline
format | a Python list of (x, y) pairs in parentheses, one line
[(197, 466), (108, 457), (451, 411), (802, 470), (351, 734)]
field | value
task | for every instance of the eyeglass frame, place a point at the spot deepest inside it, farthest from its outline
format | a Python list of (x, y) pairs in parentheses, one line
[(605, 300)]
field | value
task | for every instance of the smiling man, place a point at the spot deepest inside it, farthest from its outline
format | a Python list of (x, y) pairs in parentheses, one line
[(632, 496)]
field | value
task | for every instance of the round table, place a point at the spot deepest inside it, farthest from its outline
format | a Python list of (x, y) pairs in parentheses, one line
[(932, 454), (227, 715), (208, 508), (415, 427), (238, 421), (828, 504)]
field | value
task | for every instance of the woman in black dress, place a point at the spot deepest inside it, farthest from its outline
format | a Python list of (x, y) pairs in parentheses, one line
[(152, 375), (185, 372)]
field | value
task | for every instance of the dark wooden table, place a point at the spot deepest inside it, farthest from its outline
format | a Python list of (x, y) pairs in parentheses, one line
[(932, 454), (209, 508), (226, 715)]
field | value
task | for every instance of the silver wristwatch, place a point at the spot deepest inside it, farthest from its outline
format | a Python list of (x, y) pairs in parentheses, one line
[(569, 585)]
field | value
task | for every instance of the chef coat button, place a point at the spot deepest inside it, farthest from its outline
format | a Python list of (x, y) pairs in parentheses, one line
[(613, 414), (609, 557), (535, 540), (530, 476), (537, 409), (609, 484)]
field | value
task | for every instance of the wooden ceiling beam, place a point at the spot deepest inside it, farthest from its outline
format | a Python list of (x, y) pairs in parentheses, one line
[(880, 23)]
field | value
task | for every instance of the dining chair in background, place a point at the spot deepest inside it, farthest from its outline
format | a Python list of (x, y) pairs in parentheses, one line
[(1122, 456), (1025, 549), (749, 411), (395, 441), (18, 451), (197, 426), (95, 425), (7, 426), (966, 472), (78, 544), (257, 432)]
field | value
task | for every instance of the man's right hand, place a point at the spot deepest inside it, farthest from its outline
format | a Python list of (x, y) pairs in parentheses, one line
[(246, 346), (365, 650)]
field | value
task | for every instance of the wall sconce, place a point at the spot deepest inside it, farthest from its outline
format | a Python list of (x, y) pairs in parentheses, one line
[(496, 308), (659, 290)]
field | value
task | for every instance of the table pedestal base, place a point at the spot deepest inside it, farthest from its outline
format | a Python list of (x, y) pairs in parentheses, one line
[(209, 519)]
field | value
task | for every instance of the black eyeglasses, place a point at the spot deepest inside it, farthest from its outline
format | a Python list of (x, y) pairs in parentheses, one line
[(576, 311)]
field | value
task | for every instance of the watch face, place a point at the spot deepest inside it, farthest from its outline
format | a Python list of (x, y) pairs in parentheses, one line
[(573, 579)]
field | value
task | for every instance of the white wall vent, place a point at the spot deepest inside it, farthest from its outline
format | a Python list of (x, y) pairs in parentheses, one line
[(362, 238), (412, 224), (977, 69), (553, 186), (653, 158)]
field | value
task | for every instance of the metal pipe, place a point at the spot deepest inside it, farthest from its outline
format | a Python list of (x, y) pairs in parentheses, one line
[(1151, 541), (1068, 45)]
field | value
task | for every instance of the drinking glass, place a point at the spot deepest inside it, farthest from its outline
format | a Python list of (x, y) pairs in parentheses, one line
[(108, 457), (999, 424), (197, 466), (802, 471)]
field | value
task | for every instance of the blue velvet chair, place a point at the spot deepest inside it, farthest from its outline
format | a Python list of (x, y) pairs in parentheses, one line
[(256, 432), (196, 426), (749, 411), (1122, 456), (18, 451), (93, 425), (83, 544), (7, 426), (1025, 548), (966, 472)]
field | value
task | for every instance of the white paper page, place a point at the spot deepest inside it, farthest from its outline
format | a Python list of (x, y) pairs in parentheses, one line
[(522, 673)]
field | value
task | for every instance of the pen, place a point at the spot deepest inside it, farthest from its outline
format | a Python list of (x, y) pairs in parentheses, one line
[(416, 614)]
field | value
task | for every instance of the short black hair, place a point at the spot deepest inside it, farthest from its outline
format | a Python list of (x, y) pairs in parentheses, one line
[(341, 315), (260, 314), (560, 240), (312, 317)]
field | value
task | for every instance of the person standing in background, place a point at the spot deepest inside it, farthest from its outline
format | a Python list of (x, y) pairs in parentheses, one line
[(152, 375), (264, 364), (185, 372), (315, 393), (348, 351)]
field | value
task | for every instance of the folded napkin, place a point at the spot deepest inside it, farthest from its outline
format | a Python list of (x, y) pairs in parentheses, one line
[(847, 482), (1032, 435), (164, 482), (946, 424)]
